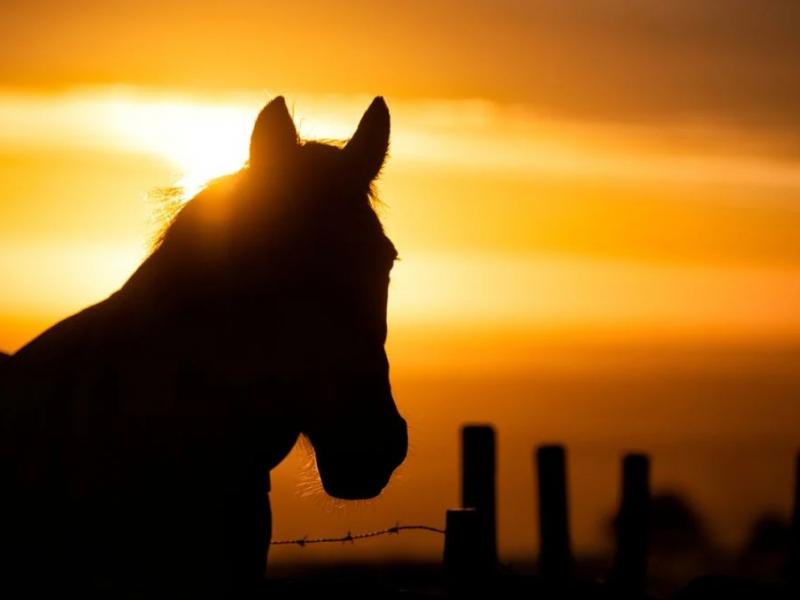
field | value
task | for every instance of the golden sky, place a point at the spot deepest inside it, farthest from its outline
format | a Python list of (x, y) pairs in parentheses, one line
[(562, 174), (505, 218)]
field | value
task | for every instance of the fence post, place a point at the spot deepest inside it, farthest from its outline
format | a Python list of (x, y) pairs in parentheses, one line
[(463, 559), (478, 477), (794, 541), (632, 525), (555, 555)]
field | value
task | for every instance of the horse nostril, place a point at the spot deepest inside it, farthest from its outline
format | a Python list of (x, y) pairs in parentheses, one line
[(400, 449)]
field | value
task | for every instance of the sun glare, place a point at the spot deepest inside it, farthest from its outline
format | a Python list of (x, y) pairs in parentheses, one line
[(203, 140), (200, 138)]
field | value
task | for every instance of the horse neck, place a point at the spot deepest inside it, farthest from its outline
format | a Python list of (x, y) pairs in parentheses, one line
[(218, 364), (153, 361), (159, 317), (134, 318)]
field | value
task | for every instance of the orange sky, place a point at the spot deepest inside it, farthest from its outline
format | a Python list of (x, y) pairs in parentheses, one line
[(562, 176), (612, 58), (503, 216)]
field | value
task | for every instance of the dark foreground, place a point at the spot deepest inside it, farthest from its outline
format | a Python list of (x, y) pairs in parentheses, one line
[(430, 581)]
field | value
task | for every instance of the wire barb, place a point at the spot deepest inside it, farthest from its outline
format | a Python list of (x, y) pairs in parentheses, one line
[(353, 537)]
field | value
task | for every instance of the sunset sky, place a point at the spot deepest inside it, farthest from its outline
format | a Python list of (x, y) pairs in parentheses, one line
[(617, 165), (561, 173)]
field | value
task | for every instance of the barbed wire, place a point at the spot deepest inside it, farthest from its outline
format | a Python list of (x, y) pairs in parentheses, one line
[(352, 537)]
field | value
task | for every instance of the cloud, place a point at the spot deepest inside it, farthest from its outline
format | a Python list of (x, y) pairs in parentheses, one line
[(643, 60)]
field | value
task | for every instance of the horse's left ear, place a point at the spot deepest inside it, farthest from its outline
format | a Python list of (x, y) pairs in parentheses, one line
[(367, 149), (274, 135)]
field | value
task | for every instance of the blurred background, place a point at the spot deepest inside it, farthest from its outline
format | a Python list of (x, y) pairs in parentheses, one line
[(596, 206)]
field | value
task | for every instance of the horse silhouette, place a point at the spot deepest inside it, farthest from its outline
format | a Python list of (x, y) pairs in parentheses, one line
[(137, 436)]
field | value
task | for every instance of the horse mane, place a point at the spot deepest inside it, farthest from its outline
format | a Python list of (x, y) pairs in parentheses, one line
[(172, 205), (171, 202)]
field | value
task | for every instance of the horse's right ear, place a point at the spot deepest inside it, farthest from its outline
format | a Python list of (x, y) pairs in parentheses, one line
[(274, 134)]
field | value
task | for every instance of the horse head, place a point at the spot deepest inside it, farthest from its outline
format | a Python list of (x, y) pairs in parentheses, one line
[(293, 246)]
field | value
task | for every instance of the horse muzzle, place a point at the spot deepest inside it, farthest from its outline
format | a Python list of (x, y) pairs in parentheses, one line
[(359, 466)]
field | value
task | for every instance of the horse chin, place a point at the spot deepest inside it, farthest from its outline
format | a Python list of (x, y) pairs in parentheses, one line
[(348, 490), (359, 469), (348, 483)]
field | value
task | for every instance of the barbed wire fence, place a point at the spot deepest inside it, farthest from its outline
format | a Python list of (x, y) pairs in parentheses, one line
[(353, 537)]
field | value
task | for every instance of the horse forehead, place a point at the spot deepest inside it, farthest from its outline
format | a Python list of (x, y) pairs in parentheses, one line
[(320, 152)]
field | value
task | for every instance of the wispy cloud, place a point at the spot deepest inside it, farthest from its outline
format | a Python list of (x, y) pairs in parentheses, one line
[(208, 136)]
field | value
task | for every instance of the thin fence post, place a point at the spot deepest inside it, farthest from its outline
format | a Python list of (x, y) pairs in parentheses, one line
[(478, 479), (794, 541), (632, 525), (555, 554)]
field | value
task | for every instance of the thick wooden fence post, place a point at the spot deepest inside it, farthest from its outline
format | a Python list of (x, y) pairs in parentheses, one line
[(633, 525), (478, 478), (555, 555), (463, 562)]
